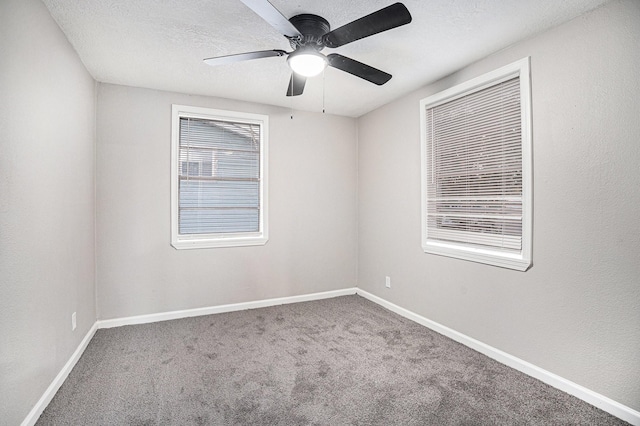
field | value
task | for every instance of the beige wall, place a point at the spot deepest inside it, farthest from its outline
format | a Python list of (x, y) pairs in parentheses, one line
[(576, 311), (47, 110), (312, 210)]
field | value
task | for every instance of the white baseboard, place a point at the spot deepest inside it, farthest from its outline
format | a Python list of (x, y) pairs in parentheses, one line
[(164, 316), (606, 404), (48, 395), (602, 402)]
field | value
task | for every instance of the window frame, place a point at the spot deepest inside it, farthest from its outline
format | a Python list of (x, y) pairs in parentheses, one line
[(518, 261), (211, 240)]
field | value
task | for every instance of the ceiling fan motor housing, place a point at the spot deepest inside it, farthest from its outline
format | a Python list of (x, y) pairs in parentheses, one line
[(312, 28)]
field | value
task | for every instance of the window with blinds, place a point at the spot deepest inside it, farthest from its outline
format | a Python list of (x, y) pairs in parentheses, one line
[(476, 169), (218, 178)]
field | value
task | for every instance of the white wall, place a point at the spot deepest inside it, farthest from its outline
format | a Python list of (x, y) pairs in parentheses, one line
[(576, 312), (47, 126), (312, 210)]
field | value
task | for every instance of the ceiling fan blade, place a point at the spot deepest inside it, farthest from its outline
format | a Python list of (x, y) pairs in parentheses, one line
[(296, 84), (228, 59), (269, 13), (358, 69), (384, 19)]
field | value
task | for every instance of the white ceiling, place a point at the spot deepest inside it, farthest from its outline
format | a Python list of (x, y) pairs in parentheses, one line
[(160, 44)]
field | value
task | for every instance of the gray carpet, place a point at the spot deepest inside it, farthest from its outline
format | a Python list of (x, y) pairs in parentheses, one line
[(341, 361)]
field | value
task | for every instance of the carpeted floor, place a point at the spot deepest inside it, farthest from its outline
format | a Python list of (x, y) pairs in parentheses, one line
[(341, 361)]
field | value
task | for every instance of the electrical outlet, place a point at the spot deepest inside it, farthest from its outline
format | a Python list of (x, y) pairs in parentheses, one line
[(387, 282), (73, 321)]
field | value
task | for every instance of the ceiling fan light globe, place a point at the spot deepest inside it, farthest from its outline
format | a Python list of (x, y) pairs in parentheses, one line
[(307, 64)]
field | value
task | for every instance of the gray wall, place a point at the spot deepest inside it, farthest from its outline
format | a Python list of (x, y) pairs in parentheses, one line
[(576, 311), (312, 210), (47, 127), (344, 205)]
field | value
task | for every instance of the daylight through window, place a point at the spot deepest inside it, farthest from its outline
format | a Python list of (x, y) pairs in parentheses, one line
[(219, 178), (476, 173)]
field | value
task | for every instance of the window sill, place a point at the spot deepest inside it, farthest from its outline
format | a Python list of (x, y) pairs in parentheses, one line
[(517, 262), (200, 243)]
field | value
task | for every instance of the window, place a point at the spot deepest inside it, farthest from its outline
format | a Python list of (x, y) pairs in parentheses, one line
[(218, 178), (476, 169)]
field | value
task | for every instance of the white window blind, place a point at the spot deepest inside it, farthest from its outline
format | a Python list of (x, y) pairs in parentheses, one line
[(473, 173), (219, 179), (474, 190)]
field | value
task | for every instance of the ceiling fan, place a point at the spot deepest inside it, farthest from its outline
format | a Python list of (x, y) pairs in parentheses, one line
[(310, 34)]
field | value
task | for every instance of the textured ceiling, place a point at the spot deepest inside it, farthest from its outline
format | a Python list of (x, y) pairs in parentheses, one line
[(160, 44)]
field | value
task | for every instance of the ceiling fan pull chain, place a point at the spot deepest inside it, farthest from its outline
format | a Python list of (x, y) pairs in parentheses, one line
[(291, 98), (323, 91)]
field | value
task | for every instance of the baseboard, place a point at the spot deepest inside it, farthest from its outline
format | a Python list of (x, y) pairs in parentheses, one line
[(602, 402), (48, 395), (165, 316)]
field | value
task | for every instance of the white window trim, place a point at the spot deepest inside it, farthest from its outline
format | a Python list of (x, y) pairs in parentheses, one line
[(229, 239), (521, 261)]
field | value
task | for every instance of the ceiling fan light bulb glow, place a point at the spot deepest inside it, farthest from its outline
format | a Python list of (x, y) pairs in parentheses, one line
[(307, 64)]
